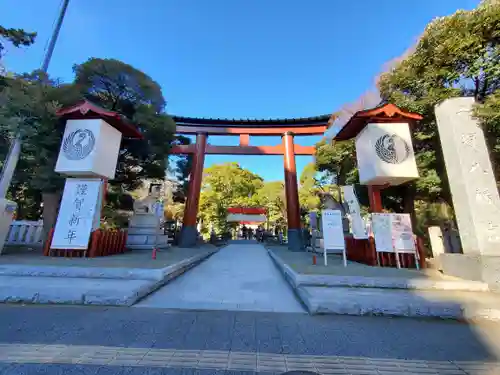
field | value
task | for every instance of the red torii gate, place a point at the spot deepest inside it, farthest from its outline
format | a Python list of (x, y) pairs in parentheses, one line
[(286, 128)]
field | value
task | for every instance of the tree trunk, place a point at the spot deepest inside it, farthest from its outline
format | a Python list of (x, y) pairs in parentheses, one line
[(409, 204), (51, 203)]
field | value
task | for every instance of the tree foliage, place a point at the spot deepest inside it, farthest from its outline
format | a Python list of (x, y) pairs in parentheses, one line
[(28, 105), (337, 159), (309, 190), (226, 185), (272, 197), (118, 86), (17, 37), (458, 55)]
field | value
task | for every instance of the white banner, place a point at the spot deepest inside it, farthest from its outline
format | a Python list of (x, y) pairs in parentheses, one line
[(76, 215), (382, 231), (358, 226)]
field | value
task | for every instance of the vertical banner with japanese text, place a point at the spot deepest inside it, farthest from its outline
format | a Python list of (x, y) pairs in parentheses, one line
[(358, 226), (382, 231), (76, 214)]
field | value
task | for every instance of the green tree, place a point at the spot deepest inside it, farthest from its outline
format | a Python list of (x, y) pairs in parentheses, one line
[(118, 86), (309, 190), (227, 185), (457, 55), (338, 160), (29, 106), (17, 37), (272, 196)]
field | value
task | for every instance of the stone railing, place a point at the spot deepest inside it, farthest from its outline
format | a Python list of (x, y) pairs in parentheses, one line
[(25, 233)]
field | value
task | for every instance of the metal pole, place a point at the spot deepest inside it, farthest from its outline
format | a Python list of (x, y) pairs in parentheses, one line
[(15, 148)]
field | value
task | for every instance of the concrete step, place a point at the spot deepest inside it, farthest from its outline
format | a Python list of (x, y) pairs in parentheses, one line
[(29, 289), (399, 302)]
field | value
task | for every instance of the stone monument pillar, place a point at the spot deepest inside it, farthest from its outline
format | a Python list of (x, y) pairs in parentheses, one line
[(475, 195), (144, 232)]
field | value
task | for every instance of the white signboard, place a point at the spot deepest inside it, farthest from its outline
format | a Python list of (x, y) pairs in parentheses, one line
[(76, 215), (333, 232), (358, 226), (402, 233), (382, 231)]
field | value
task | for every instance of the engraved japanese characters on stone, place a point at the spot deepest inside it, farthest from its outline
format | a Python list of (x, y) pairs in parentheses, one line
[(493, 232), (469, 139), (476, 166), (484, 196)]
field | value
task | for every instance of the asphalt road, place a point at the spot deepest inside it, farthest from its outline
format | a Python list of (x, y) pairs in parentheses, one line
[(276, 335)]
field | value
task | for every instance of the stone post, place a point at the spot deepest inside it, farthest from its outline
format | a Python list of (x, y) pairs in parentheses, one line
[(474, 191)]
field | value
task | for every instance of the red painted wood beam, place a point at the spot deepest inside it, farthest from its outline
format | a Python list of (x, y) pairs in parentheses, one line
[(244, 139), (213, 130), (183, 149), (291, 188), (193, 197), (242, 150), (375, 198)]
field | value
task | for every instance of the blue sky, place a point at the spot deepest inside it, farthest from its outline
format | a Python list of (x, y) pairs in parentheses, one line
[(236, 59)]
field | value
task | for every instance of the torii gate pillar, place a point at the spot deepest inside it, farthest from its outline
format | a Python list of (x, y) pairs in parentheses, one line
[(295, 242), (189, 233)]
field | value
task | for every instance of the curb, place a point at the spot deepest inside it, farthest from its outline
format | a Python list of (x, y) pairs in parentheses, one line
[(103, 297), (378, 282), (175, 271), (358, 300)]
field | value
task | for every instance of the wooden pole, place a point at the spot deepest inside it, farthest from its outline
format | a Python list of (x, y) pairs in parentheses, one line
[(375, 198), (189, 231), (292, 195)]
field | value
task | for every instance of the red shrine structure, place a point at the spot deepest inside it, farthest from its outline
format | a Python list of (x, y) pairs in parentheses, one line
[(286, 128), (385, 113)]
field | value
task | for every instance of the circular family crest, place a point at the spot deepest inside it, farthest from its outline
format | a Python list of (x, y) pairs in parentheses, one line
[(78, 144), (392, 149)]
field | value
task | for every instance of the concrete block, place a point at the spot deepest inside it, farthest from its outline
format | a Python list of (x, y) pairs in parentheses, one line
[(473, 267)]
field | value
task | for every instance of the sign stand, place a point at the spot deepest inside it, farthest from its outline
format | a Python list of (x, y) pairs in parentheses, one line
[(393, 234), (333, 234)]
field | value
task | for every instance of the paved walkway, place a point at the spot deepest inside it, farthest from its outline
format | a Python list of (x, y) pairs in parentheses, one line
[(238, 277), (69, 340)]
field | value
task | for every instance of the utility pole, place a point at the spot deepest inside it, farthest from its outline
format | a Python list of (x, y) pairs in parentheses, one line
[(53, 39), (15, 147)]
